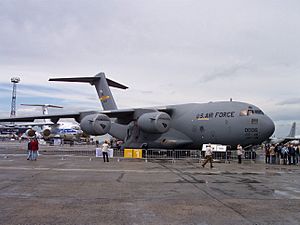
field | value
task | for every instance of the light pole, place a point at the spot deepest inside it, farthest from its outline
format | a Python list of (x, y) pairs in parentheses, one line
[(15, 81)]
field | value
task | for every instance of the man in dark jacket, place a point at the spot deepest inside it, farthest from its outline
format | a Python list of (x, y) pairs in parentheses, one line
[(291, 155), (297, 154)]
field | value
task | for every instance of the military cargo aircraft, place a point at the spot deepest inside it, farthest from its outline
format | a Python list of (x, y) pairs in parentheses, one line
[(185, 126), (291, 137)]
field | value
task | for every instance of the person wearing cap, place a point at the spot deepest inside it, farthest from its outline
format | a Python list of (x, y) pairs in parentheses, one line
[(208, 156)]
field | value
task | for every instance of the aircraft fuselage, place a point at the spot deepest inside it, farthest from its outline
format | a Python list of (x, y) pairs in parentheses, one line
[(227, 123)]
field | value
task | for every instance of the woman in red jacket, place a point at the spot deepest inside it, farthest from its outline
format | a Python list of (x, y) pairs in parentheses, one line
[(34, 149)]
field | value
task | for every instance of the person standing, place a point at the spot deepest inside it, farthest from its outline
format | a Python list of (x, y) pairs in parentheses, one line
[(105, 151), (208, 156), (297, 153), (267, 154), (239, 153), (34, 149), (292, 151), (29, 150), (272, 154), (290, 154), (284, 152), (278, 153)]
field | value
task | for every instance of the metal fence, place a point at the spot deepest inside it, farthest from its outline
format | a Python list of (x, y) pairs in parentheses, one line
[(194, 155), (230, 155), (147, 155)]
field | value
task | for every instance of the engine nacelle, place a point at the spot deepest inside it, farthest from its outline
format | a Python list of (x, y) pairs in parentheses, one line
[(154, 122), (46, 133), (30, 132), (95, 124)]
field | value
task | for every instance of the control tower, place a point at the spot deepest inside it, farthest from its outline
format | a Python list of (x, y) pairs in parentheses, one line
[(15, 81)]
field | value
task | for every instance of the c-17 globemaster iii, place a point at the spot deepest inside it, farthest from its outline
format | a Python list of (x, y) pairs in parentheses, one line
[(185, 126)]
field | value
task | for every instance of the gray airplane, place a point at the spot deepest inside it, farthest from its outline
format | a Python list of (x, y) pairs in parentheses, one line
[(185, 126), (48, 129), (291, 137)]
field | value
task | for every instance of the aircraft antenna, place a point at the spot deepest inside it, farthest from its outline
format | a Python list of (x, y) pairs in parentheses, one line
[(15, 81)]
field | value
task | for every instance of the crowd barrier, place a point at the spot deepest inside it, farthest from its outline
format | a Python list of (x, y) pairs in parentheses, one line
[(198, 155), (147, 155)]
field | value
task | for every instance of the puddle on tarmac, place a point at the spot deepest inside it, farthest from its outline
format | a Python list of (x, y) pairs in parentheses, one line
[(290, 194)]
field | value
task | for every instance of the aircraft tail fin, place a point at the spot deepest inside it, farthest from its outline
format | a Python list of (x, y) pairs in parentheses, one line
[(293, 130), (101, 84)]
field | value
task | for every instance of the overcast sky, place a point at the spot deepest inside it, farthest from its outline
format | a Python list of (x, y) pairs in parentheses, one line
[(166, 51)]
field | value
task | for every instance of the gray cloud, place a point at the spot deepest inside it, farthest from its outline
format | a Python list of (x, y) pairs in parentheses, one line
[(286, 114), (226, 73), (291, 101)]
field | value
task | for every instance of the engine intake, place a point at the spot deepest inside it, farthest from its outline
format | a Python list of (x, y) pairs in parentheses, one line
[(95, 124), (46, 132), (154, 122), (30, 132)]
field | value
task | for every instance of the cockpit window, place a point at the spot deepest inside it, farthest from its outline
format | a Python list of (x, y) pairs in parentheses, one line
[(248, 112), (259, 112), (243, 112)]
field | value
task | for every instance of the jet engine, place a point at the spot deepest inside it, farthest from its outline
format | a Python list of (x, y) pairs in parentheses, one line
[(46, 133), (154, 122), (30, 132), (95, 124)]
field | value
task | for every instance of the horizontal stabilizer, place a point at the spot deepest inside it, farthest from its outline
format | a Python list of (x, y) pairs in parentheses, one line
[(44, 105), (91, 80)]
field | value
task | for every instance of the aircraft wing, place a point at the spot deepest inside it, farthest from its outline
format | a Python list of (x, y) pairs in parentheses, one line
[(120, 114), (288, 139), (14, 125), (32, 118), (124, 115), (283, 140)]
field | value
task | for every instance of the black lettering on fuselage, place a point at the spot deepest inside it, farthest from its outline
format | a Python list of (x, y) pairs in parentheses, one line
[(224, 114), (204, 115), (251, 130), (208, 115)]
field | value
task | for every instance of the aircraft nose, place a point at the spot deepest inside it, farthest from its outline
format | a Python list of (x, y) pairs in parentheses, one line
[(268, 127)]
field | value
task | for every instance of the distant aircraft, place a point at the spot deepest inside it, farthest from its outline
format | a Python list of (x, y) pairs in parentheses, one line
[(185, 126), (39, 127), (291, 137), (14, 130), (11, 132), (48, 129)]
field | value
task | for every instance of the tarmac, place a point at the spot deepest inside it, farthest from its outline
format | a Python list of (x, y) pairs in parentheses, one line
[(58, 189)]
